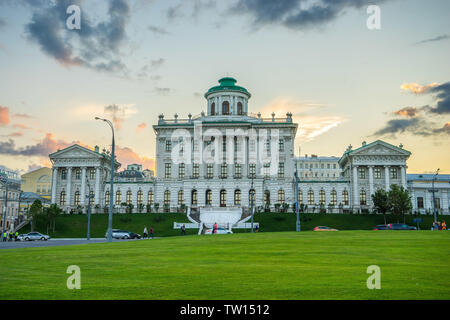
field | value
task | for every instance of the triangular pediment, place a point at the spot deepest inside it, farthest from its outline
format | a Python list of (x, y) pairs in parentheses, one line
[(380, 148), (75, 151)]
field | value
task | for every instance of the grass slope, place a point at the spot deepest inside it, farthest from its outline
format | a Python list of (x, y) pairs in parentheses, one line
[(75, 226), (288, 265)]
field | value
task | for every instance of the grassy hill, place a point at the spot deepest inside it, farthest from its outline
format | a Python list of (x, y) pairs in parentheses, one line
[(75, 226), (271, 265)]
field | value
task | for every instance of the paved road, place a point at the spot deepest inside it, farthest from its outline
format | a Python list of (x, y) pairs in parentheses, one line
[(53, 242)]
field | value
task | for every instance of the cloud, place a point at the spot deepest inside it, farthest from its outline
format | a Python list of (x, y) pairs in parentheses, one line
[(22, 115), (20, 126), (93, 46), (408, 112), (119, 114), (418, 88), (174, 12), (157, 63), (13, 134), (162, 91), (158, 30), (141, 127), (2, 23), (445, 129), (296, 14), (438, 38), (4, 116), (443, 99), (128, 156)]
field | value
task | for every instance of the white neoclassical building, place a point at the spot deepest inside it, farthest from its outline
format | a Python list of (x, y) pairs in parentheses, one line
[(228, 156)]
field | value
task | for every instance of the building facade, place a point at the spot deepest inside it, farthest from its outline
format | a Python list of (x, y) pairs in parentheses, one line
[(9, 198), (38, 181), (229, 157)]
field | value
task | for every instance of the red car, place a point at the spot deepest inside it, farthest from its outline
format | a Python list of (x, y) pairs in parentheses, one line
[(323, 228)]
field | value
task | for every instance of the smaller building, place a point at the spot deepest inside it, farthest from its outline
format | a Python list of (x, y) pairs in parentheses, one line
[(422, 187), (38, 181), (10, 197)]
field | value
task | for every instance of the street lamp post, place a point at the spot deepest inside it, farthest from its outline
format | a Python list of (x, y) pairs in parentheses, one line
[(297, 209), (434, 199), (252, 194), (89, 197), (111, 188), (4, 181)]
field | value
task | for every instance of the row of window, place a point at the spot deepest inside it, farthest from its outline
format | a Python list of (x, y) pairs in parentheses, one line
[(316, 165), (310, 200), (420, 203), (226, 108), (393, 173), (11, 195), (237, 145), (223, 170), (91, 174)]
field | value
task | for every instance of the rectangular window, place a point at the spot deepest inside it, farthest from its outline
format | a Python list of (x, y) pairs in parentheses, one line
[(150, 198), (195, 170), (281, 170), (168, 145), (223, 170), (252, 170), (63, 174), (377, 173), (393, 172), (91, 174), (209, 171), (420, 202), (266, 170), (181, 171), (77, 174), (167, 172), (281, 145), (437, 203), (361, 173), (237, 170)]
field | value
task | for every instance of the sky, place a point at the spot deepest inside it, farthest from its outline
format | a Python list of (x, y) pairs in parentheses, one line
[(130, 61)]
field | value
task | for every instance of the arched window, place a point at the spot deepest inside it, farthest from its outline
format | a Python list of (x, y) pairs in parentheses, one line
[(139, 197), (208, 198), (310, 197), (237, 197), (118, 197), (129, 197), (62, 199), (150, 197), (322, 197), (267, 197), (362, 198), (333, 199), (213, 108), (223, 198), (240, 110), (281, 196), (107, 198), (180, 197), (167, 198), (251, 196), (345, 198), (226, 107), (194, 197), (300, 196), (77, 198)]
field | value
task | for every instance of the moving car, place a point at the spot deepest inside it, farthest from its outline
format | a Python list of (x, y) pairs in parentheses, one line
[(323, 228), (123, 234), (219, 231), (34, 236), (381, 227), (400, 226)]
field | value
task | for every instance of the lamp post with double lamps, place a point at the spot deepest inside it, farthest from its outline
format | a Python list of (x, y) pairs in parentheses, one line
[(434, 199), (111, 188)]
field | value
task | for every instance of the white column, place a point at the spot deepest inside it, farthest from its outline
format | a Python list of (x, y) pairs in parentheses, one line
[(54, 177), (355, 186), (386, 177), (69, 185), (371, 191), (83, 186), (403, 172), (97, 186)]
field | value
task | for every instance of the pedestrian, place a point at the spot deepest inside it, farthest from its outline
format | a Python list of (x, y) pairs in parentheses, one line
[(145, 232), (256, 228), (151, 231), (215, 228), (444, 225), (16, 236), (183, 230)]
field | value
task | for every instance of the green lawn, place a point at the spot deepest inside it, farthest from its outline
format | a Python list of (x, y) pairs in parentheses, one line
[(275, 265), (75, 226)]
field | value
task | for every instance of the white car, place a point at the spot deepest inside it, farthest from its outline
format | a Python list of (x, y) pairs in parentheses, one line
[(219, 231), (33, 236), (119, 234)]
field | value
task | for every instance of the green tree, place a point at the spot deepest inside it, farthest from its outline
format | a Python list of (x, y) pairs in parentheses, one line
[(35, 212), (399, 201), (381, 202)]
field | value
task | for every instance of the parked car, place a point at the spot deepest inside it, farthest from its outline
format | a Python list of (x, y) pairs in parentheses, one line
[(400, 226), (219, 231), (123, 234), (323, 228), (33, 236), (381, 227)]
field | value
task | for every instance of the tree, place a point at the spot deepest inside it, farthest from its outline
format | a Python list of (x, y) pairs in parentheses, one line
[(52, 213), (381, 203), (35, 211), (399, 201)]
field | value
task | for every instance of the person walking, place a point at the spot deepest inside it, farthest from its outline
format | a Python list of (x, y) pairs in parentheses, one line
[(444, 225), (215, 228), (16, 236), (145, 232), (183, 230), (151, 231)]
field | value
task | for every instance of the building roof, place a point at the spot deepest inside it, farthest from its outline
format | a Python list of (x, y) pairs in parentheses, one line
[(31, 196), (227, 84), (427, 177)]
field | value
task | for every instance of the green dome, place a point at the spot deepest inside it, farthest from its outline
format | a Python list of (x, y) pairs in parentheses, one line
[(227, 84)]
